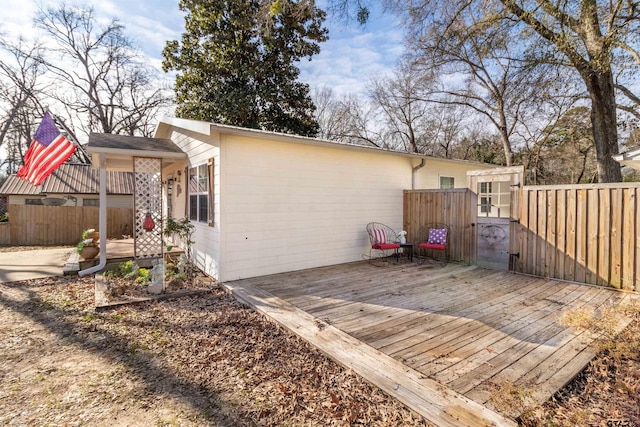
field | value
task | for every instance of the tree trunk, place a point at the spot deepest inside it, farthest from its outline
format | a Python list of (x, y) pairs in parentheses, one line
[(604, 124), (506, 145)]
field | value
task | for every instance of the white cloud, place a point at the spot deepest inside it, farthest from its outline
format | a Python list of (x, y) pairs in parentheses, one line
[(347, 61), (354, 55)]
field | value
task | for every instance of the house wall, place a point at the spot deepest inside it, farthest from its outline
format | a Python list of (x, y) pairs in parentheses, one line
[(290, 206), (285, 205), (428, 177), (199, 149)]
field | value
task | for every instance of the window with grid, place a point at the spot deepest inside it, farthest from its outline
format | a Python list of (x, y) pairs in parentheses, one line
[(200, 194), (494, 199)]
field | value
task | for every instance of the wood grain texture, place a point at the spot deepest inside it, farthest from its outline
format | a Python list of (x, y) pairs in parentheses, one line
[(465, 328)]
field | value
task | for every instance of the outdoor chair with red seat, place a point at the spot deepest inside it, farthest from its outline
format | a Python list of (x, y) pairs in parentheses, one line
[(434, 237), (383, 238)]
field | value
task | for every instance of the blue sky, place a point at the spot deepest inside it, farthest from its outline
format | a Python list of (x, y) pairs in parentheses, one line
[(352, 56)]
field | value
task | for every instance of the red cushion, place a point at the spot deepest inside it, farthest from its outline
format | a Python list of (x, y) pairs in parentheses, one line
[(433, 246), (385, 246)]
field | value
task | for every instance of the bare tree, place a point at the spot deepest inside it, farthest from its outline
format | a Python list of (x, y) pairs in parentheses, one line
[(406, 114), (475, 63), (350, 119), (588, 38), (21, 91), (102, 77)]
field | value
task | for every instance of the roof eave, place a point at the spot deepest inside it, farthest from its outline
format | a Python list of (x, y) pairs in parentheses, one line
[(208, 128)]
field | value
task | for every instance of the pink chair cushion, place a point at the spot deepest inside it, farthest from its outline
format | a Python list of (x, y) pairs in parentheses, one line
[(385, 246), (438, 236), (379, 235), (433, 246)]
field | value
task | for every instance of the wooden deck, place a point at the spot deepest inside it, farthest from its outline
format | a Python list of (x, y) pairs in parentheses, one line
[(471, 330)]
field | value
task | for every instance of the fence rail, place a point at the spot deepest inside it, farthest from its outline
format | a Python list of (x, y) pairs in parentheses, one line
[(582, 233), (452, 207), (61, 225)]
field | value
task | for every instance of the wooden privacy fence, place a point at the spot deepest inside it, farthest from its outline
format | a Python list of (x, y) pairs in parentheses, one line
[(5, 236), (62, 225), (582, 233), (455, 208)]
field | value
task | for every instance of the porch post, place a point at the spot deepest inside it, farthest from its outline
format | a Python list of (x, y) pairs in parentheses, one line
[(102, 222)]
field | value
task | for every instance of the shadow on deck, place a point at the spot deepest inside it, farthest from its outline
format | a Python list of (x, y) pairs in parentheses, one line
[(442, 340)]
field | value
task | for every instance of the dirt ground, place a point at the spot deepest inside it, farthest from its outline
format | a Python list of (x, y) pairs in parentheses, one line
[(208, 360)]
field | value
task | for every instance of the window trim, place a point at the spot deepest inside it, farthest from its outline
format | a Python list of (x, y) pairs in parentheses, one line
[(194, 211), (453, 182)]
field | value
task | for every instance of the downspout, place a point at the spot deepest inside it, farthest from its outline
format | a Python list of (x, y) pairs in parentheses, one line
[(102, 222), (414, 172)]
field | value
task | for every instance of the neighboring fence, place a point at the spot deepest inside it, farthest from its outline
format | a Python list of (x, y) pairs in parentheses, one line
[(5, 235), (61, 225), (582, 233), (3, 205), (452, 207)]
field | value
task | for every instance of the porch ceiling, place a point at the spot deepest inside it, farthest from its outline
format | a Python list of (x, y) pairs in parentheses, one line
[(119, 150), (441, 340)]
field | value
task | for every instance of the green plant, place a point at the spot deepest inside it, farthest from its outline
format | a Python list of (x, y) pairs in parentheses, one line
[(144, 276), (4, 217), (89, 238), (182, 229)]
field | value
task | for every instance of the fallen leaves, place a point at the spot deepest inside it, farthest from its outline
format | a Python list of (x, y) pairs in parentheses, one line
[(205, 360)]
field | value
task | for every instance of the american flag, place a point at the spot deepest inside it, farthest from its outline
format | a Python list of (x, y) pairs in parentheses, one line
[(48, 150)]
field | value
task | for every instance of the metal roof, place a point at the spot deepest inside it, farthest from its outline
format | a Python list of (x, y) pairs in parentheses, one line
[(71, 179), (124, 142)]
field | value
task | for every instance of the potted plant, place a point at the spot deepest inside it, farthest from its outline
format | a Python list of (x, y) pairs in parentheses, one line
[(88, 247)]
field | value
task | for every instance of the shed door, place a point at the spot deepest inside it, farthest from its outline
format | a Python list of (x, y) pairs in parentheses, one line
[(496, 192)]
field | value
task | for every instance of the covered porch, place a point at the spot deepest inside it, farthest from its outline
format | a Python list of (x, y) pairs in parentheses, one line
[(446, 341)]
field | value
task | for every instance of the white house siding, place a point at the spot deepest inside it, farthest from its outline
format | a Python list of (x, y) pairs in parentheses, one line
[(290, 206), (429, 175), (199, 148)]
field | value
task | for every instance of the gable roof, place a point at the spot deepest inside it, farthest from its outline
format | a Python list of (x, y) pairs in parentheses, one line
[(118, 151), (71, 179), (137, 143)]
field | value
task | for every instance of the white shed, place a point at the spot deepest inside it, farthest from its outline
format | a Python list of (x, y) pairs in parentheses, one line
[(265, 202)]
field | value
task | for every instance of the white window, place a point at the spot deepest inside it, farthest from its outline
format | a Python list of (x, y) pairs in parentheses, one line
[(200, 194), (446, 182), (494, 199)]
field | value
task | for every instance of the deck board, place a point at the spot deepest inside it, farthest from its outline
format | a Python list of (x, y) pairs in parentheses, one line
[(465, 328)]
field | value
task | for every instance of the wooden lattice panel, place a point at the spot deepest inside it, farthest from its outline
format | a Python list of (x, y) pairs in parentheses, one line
[(148, 199)]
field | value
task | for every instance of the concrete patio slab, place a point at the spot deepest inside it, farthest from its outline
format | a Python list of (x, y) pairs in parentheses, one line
[(35, 264)]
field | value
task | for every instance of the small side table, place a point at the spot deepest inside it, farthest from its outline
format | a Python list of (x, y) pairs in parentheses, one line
[(409, 247)]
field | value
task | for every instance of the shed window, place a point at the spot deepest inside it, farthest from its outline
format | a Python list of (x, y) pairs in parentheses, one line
[(446, 182), (33, 202), (200, 194), (91, 202)]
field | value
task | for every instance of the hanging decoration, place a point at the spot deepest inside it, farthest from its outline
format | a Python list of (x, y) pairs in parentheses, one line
[(148, 224)]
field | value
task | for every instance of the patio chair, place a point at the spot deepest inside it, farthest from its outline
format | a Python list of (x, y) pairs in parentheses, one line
[(383, 238), (434, 238)]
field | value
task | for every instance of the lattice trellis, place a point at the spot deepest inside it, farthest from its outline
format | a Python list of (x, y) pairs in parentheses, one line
[(148, 199)]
